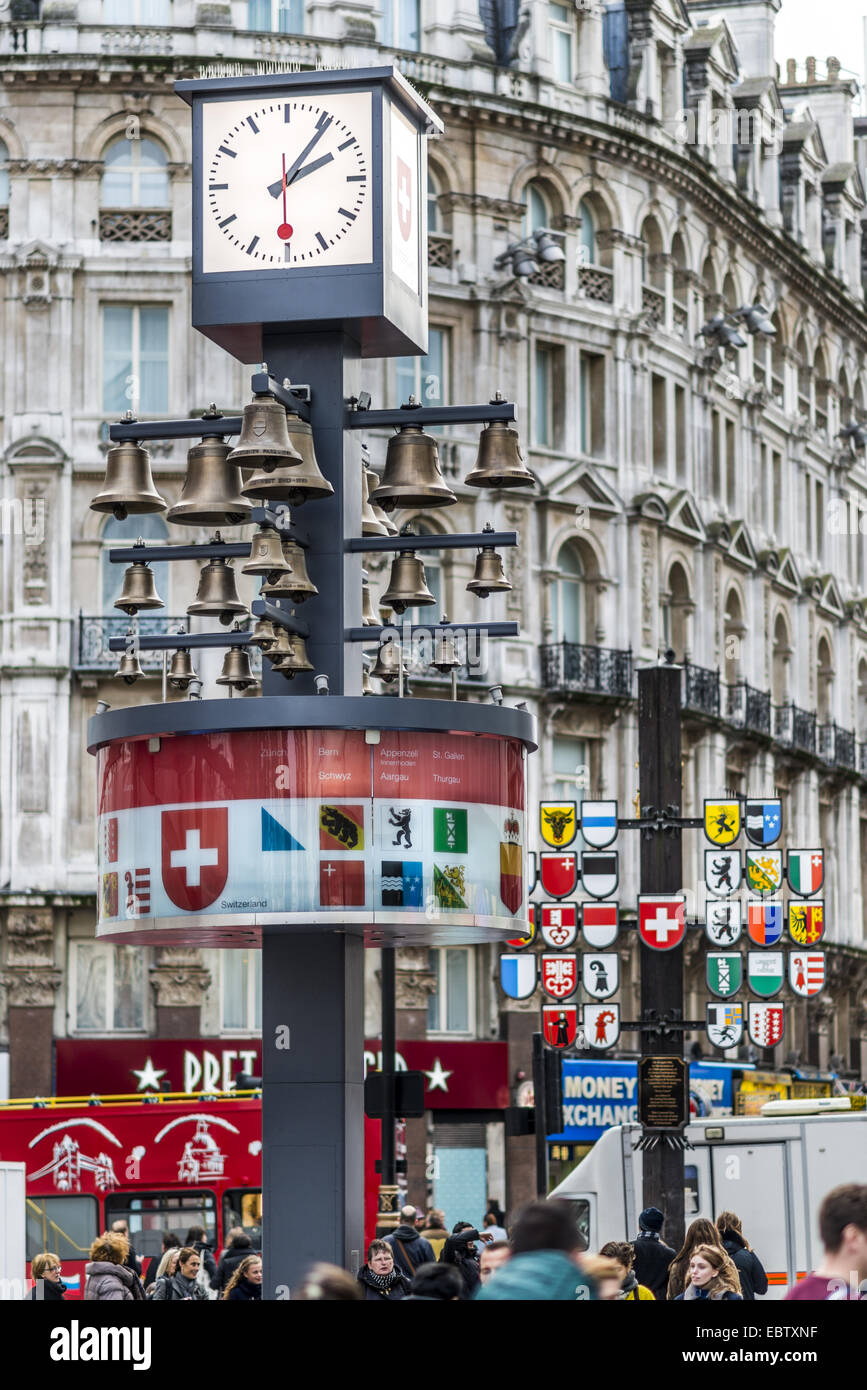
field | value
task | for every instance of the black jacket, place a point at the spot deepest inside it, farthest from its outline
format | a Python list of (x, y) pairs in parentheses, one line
[(228, 1264), (749, 1267), (416, 1250), (244, 1292), (652, 1260), (46, 1290), (176, 1288), (399, 1289), (209, 1264), (455, 1252)]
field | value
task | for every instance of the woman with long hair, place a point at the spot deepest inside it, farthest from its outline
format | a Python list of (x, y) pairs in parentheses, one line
[(750, 1270), (701, 1232), (711, 1276), (246, 1283)]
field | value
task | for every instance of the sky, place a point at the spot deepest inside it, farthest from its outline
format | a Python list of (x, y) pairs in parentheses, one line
[(834, 28)]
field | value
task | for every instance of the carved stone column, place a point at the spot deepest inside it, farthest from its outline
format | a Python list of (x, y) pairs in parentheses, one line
[(31, 980), (858, 1025), (179, 982), (413, 984), (823, 1011)]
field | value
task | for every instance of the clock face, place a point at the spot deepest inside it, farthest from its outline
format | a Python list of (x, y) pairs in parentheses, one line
[(286, 183)]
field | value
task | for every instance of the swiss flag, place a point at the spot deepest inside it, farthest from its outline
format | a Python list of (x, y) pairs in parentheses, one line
[(559, 872), (661, 922), (195, 855), (341, 883)]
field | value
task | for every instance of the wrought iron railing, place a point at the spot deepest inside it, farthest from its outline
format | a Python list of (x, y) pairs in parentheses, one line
[(837, 746), (572, 666), (795, 727), (94, 633), (701, 689), (749, 708)]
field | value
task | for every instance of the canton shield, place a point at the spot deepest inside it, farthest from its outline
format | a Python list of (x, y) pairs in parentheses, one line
[(559, 1024), (765, 972), (601, 1023), (806, 871), (559, 976), (195, 855), (764, 923), (559, 924), (558, 873), (722, 822), (600, 873), (722, 871), (518, 976), (558, 823), (766, 1024), (600, 974), (723, 923), (661, 921), (806, 922), (764, 870), (599, 823), (724, 1024), (600, 923), (764, 821), (724, 973), (807, 972)]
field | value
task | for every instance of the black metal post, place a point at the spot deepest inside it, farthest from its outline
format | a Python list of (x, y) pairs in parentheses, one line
[(539, 1103), (660, 781), (386, 1219)]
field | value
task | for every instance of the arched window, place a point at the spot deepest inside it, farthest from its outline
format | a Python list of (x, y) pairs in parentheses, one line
[(734, 633), (710, 295), (677, 608), (136, 175), (4, 176), (439, 241), (820, 373), (588, 233), (825, 679), (782, 657), (434, 216), (862, 699), (538, 212), (151, 528), (803, 375), (778, 362), (680, 292), (653, 269), (276, 16), (568, 605)]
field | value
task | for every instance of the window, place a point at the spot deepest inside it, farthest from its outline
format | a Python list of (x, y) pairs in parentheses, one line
[(4, 176), (548, 371), (659, 424), (241, 990), (450, 1006), (401, 24), (568, 596), (538, 213), (434, 218), (592, 397), (136, 175), (276, 16), (243, 1207), (715, 458), (147, 13), (820, 520), (680, 444), (107, 987), (570, 770), (560, 19), (66, 1226), (427, 378), (154, 1212), (125, 533), (135, 359), (587, 243), (778, 492), (731, 477)]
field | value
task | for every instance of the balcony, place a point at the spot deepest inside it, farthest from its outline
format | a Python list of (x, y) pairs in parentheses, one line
[(701, 690), (581, 670), (795, 728), (837, 746), (91, 639), (653, 305), (440, 251), (135, 224), (549, 276), (596, 283), (749, 709)]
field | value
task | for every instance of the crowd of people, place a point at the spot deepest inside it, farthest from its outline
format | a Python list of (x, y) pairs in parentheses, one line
[(543, 1257)]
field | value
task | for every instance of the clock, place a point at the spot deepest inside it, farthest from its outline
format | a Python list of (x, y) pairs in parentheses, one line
[(309, 195)]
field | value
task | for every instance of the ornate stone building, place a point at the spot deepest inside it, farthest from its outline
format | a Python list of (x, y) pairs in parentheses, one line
[(686, 498)]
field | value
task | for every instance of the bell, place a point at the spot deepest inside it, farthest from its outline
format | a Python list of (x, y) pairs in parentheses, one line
[(263, 635), (129, 669), (181, 671), (296, 582), (412, 476), (236, 670), (387, 664), (298, 483), (446, 654), (407, 587), (211, 493), (264, 440), (378, 512), (489, 576), (296, 660), (266, 555), (370, 522), (217, 592), (366, 687), (499, 462), (368, 614), (139, 589), (280, 646), (128, 486)]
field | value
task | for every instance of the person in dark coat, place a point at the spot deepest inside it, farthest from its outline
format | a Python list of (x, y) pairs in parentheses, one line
[(169, 1242), (379, 1278), (753, 1278), (460, 1251), (241, 1247), (246, 1283), (652, 1255), (197, 1238), (436, 1284), (132, 1261), (711, 1277), (48, 1286), (182, 1286), (408, 1245)]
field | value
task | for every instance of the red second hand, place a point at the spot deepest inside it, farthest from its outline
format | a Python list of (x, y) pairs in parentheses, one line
[(284, 231)]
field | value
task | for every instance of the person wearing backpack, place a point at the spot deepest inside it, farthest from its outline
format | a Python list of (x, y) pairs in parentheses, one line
[(409, 1248)]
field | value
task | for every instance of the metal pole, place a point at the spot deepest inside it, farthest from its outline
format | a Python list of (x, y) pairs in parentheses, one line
[(662, 872), (539, 1102), (387, 1213)]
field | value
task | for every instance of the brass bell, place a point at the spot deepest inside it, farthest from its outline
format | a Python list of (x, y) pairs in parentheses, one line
[(211, 493), (129, 669), (489, 577), (407, 586), (388, 661), (266, 555), (128, 486), (217, 592), (412, 476), (264, 440), (181, 671), (139, 589), (446, 653), (263, 635), (236, 670), (499, 462), (280, 646), (296, 583), (370, 522), (368, 614), (366, 687), (296, 660), (378, 512), (296, 484)]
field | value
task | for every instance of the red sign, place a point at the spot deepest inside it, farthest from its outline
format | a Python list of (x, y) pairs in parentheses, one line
[(559, 1024), (559, 976), (558, 872), (195, 855), (661, 922)]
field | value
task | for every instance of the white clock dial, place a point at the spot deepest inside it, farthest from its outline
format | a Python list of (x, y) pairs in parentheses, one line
[(286, 183)]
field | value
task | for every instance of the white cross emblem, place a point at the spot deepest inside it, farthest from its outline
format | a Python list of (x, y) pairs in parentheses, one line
[(192, 858), (405, 202), (329, 870), (662, 924)]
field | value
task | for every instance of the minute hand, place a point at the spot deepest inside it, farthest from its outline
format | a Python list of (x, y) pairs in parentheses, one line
[(275, 189)]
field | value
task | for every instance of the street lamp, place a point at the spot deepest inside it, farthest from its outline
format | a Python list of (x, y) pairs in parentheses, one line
[(527, 256)]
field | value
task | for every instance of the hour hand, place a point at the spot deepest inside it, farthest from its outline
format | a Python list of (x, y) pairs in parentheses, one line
[(310, 168)]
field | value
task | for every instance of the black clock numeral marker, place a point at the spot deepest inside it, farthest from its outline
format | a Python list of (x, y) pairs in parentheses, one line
[(322, 242), (252, 247), (343, 213), (287, 113), (233, 154), (215, 187), (351, 141), (287, 251), (252, 124), (226, 220), (356, 178)]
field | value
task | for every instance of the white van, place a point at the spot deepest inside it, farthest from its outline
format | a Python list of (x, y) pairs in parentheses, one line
[(772, 1170)]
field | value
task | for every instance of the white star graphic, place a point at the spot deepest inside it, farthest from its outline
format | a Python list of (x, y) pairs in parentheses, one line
[(438, 1078), (148, 1076)]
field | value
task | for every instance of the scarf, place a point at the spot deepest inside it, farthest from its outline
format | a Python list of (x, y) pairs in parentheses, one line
[(383, 1281), (648, 1235)]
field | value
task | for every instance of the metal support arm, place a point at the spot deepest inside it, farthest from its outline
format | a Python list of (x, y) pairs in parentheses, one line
[(461, 540)]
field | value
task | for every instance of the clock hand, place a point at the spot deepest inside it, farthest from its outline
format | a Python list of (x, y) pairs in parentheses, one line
[(311, 168), (321, 126), (284, 231)]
